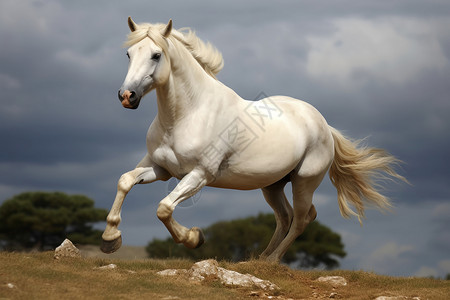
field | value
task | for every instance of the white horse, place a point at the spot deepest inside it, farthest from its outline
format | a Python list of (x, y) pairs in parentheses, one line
[(204, 134)]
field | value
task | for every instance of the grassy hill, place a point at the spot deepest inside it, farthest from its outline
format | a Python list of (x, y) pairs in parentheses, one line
[(39, 276)]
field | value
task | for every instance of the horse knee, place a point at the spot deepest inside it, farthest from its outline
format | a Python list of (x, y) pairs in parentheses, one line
[(164, 211), (125, 183)]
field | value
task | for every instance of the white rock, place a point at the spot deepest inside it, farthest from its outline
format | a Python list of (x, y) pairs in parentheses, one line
[(210, 269), (202, 269), (67, 249), (169, 272), (107, 267), (333, 280), (232, 278), (10, 285)]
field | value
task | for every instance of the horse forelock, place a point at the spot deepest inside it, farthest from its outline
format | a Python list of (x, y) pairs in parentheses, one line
[(206, 54)]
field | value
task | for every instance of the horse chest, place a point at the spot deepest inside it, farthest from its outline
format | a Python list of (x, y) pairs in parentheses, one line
[(177, 160)]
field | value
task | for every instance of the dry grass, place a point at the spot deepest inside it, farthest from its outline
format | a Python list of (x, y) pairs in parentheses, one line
[(39, 276)]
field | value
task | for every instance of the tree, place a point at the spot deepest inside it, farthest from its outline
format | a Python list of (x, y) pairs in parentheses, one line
[(241, 239), (43, 220)]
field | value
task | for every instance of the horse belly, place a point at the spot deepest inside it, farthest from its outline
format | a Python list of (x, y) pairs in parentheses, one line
[(239, 181), (262, 163)]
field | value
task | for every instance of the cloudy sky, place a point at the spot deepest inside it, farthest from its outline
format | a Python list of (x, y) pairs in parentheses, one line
[(376, 69)]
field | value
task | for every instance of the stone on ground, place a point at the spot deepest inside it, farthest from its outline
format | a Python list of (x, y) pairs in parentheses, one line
[(210, 269), (335, 281), (67, 249)]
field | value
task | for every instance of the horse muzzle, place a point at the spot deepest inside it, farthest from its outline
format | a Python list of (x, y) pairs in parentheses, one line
[(129, 99)]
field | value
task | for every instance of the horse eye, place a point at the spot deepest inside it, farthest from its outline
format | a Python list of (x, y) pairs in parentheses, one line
[(156, 56), (128, 55)]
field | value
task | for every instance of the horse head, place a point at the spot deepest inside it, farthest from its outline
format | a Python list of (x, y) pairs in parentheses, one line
[(149, 64)]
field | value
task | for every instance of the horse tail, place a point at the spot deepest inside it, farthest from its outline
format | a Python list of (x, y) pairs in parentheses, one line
[(356, 172)]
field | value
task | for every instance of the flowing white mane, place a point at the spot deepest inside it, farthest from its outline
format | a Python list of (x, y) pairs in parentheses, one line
[(206, 54)]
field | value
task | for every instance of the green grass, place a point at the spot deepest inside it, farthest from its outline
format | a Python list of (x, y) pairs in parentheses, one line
[(39, 276)]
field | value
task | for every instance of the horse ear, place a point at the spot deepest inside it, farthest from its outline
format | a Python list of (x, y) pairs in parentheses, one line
[(168, 29), (131, 24)]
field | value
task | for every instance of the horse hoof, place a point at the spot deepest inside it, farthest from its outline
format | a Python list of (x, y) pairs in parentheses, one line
[(111, 246), (201, 237)]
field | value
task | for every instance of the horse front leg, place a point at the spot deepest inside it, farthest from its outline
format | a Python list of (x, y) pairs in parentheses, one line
[(145, 172), (187, 187)]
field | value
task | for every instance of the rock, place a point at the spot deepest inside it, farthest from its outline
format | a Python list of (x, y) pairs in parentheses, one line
[(171, 272), (335, 281), (210, 269), (67, 249), (11, 285), (107, 267), (232, 278), (202, 269)]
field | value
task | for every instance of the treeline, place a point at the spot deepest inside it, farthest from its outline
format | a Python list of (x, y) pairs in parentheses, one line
[(42, 220)]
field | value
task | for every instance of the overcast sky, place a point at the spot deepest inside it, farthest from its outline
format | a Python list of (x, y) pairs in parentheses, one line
[(376, 69)]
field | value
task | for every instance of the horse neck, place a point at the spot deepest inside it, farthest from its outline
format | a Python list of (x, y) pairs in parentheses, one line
[(184, 91)]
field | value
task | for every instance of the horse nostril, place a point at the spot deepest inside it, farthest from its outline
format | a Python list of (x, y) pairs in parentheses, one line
[(127, 97)]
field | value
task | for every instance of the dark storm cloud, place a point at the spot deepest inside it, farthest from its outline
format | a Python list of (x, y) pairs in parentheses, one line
[(373, 68)]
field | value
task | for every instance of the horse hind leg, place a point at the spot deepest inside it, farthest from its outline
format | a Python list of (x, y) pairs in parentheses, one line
[(312, 214), (304, 212), (275, 197)]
